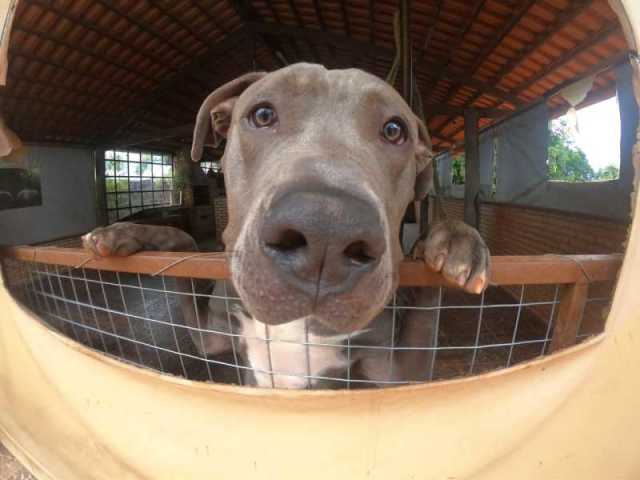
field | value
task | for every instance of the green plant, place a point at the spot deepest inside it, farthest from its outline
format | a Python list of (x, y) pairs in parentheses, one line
[(567, 162), (181, 171), (458, 170)]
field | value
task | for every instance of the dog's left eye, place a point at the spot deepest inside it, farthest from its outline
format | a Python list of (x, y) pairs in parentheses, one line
[(394, 131), (263, 116)]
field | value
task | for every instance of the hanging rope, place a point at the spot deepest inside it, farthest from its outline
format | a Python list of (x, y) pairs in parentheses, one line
[(413, 96)]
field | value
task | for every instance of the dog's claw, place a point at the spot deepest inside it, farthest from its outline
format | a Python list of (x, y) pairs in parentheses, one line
[(439, 262)]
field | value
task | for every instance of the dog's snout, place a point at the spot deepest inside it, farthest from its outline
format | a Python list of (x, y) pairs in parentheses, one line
[(322, 242)]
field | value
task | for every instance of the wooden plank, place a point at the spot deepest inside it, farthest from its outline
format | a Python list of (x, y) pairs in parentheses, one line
[(573, 299), (472, 167), (506, 270), (434, 109)]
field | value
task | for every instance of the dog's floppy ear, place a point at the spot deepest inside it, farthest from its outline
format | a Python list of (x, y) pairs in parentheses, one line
[(214, 115), (424, 157)]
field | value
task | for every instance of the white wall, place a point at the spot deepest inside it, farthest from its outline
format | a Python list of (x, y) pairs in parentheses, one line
[(68, 198)]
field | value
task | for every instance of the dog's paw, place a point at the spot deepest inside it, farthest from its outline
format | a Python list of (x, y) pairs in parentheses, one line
[(458, 252), (119, 240)]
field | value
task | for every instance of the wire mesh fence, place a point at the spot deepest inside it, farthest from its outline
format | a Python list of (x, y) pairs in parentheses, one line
[(424, 334)]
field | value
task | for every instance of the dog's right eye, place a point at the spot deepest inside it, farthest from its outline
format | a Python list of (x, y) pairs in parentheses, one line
[(263, 116)]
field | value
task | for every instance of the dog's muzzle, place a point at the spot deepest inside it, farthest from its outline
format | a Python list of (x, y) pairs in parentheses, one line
[(322, 242)]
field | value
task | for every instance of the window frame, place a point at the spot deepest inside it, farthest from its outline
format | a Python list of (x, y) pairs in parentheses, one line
[(151, 168)]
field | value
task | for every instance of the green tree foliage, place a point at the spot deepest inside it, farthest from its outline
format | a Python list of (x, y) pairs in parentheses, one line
[(568, 163), (458, 170), (608, 173)]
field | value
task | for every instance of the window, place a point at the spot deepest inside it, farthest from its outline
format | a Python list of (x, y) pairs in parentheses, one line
[(585, 147), (210, 167), (136, 181)]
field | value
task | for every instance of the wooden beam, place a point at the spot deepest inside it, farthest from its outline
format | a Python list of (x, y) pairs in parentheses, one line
[(564, 18), (573, 299), (296, 53), (51, 62), (593, 97), (434, 109), (195, 66), (368, 49), (345, 17), (146, 27), (472, 167), (320, 37), (101, 189), (372, 21), (575, 8), (592, 40), (78, 19), (204, 11), (185, 26), (296, 14), (521, 10), (488, 49), (85, 52), (453, 45), (405, 50), (154, 136), (63, 106), (600, 67), (505, 270)]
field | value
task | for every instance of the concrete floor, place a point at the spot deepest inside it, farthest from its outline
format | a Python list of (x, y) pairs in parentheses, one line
[(11, 469)]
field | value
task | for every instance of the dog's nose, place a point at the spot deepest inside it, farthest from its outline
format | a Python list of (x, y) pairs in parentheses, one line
[(323, 242)]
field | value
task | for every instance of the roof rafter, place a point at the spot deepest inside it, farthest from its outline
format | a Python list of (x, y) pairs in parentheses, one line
[(563, 18), (195, 67), (506, 29), (95, 28), (364, 48)]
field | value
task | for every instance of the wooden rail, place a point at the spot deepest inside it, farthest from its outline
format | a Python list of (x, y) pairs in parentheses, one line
[(573, 274), (505, 270)]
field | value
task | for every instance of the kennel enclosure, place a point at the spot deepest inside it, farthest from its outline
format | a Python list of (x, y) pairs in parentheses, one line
[(69, 411), (132, 311)]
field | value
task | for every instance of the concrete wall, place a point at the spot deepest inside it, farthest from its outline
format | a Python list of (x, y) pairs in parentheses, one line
[(68, 198)]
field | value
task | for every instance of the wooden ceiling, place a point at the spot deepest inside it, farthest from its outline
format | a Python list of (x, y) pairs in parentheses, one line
[(103, 72)]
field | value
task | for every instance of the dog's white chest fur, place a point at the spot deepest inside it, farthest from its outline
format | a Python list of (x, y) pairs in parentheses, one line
[(290, 351)]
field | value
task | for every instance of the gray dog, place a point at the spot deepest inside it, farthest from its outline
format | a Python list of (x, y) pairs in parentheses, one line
[(320, 166)]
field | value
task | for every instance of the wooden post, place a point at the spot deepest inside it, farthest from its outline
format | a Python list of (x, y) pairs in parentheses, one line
[(423, 215), (472, 166), (573, 299), (183, 166), (101, 190), (405, 50)]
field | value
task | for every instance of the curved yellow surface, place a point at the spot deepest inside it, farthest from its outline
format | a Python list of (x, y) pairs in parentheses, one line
[(72, 414)]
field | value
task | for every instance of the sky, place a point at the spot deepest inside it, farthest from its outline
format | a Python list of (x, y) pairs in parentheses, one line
[(599, 133)]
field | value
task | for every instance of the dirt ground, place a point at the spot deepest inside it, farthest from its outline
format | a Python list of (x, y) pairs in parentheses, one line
[(10, 469)]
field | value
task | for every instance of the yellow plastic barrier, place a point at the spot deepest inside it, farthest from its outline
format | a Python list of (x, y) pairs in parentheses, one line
[(71, 414)]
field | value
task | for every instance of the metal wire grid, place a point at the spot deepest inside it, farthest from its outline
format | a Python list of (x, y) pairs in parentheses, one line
[(139, 319)]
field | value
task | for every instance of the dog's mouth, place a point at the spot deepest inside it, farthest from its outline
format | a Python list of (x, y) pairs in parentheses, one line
[(315, 253)]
